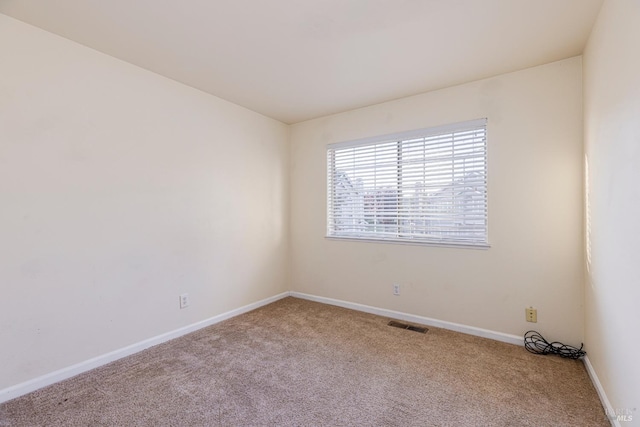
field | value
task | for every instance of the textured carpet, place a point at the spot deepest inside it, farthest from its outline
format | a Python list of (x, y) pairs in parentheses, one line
[(300, 363)]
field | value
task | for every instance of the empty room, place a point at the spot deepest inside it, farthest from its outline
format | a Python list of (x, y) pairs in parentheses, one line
[(319, 213)]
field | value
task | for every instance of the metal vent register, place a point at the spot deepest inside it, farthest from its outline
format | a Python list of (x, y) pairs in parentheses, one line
[(401, 325)]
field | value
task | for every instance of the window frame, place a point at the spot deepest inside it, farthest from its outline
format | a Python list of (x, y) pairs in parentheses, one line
[(400, 138)]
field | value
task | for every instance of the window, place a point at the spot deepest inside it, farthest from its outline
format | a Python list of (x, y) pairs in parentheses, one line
[(425, 186)]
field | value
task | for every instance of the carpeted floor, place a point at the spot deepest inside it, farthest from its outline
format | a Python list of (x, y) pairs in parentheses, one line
[(300, 363)]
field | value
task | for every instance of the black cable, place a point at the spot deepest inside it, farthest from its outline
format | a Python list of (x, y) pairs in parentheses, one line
[(535, 343)]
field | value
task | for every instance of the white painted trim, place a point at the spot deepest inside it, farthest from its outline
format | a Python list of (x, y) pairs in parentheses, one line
[(73, 370), (471, 330), (452, 245), (601, 393)]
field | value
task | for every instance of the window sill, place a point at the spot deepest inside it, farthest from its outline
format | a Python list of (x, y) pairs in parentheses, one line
[(481, 246)]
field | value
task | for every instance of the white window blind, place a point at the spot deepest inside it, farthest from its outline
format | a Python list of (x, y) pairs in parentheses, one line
[(424, 186)]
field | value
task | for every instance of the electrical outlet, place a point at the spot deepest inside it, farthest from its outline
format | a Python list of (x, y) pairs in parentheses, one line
[(531, 315), (184, 300), (396, 289)]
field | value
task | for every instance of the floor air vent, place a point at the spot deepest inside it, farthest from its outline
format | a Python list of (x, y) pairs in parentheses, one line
[(401, 325)]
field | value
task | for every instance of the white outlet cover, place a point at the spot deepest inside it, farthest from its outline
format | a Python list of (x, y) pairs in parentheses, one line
[(184, 300)]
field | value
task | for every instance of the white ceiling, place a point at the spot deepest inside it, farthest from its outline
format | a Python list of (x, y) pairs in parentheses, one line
[(299, 59)]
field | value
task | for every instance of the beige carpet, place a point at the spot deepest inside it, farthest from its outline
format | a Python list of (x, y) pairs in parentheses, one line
[(300, 363)]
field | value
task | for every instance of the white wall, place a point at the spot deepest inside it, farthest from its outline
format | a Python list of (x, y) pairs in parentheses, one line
[(535, 210), (612, 135), (119, 190)]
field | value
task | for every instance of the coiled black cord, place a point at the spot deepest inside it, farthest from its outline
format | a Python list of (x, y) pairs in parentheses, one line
[(535, 343)]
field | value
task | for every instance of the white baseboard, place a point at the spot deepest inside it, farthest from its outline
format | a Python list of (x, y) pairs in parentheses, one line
[(601, 394), (71, 371), (471, 330)]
